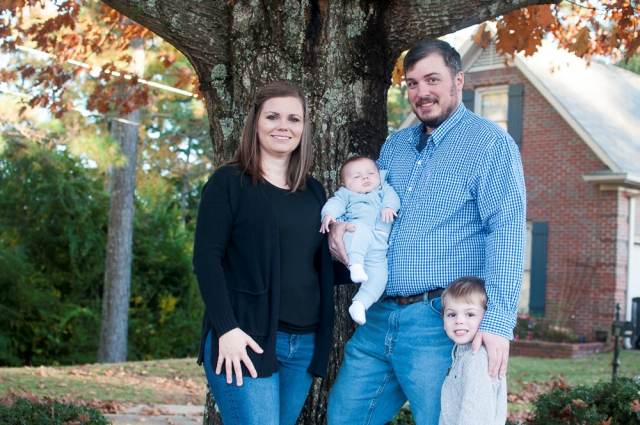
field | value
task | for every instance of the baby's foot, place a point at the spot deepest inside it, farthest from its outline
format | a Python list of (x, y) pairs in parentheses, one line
[(358, 274), (357, 312)]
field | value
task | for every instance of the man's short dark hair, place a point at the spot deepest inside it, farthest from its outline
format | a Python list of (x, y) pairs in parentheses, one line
[(431, 46)]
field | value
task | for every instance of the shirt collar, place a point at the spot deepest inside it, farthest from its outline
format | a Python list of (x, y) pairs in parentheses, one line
[(441, 131)]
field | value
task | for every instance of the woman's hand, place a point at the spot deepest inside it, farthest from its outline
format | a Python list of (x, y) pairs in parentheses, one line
[(232, 349), (388, 214)]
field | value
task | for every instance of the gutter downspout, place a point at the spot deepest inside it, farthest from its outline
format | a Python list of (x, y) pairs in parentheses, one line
[(632, 230)]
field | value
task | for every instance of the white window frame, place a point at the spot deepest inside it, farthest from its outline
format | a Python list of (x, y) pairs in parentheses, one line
[(477, 101)]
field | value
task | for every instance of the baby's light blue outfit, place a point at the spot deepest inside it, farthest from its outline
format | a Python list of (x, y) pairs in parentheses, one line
[(368, 244)]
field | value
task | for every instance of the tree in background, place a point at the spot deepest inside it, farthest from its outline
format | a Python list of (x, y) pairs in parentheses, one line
[(633, 65), (121, 99), (53, 228)]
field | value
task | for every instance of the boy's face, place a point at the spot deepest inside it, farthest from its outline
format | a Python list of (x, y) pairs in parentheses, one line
[(361, 176), (462, 320)]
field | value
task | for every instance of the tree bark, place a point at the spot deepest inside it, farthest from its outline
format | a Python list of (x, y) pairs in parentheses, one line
[(341, 52), (117, 274)]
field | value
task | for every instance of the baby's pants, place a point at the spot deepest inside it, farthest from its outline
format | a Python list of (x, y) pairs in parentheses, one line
[(368, 247)]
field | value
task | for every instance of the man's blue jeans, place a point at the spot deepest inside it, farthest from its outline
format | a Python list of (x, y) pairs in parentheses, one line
[(402, 353), (275, 400)]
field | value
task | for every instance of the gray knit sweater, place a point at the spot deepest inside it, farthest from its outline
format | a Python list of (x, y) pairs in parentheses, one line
[(468, 395)]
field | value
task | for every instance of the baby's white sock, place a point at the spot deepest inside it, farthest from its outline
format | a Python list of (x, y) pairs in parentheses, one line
[(358, 312), (358, 274)]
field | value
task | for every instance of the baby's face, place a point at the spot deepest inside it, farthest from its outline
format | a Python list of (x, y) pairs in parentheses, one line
[(361, 176), (462, 320)]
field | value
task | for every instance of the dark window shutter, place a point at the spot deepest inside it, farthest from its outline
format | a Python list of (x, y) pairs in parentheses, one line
[(514, 115), (540, 234), (468, 97)]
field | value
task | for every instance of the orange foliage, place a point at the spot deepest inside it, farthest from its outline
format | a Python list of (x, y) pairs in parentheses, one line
[(68, 34), (587, 28)]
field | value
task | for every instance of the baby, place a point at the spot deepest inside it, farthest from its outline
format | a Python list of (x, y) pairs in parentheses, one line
[(371, 204), (469, 396)]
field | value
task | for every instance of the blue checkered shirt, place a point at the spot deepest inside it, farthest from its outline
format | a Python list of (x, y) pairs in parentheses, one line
[(462, 214)]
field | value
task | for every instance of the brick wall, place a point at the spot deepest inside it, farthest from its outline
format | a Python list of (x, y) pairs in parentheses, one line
[(584, 222)]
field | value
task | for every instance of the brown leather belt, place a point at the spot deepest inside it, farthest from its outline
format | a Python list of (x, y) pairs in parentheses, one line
[(435, 293)]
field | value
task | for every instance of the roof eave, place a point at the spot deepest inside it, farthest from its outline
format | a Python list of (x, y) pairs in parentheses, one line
[(614, 181)]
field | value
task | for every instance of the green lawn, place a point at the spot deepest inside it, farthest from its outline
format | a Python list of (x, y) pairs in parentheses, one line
[(181, 381), (575, 371)]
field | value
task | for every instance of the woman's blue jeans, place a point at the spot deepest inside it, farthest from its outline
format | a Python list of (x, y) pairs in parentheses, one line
[(275, 400)]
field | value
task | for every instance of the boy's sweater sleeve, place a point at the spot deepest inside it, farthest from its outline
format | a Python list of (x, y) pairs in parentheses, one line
[(336, 206), (390, 198)]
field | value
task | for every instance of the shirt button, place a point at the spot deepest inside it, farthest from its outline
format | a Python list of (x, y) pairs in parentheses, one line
[(409, 189), (419, 162)]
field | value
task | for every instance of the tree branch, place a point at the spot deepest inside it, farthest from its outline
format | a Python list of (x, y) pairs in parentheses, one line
[(412, 20), (200, 30)]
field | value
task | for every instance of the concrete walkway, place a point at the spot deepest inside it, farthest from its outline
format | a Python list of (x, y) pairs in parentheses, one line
[(165, 414)]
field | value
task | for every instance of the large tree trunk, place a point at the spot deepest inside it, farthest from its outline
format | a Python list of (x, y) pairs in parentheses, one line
[(117, 273), (341, 52)]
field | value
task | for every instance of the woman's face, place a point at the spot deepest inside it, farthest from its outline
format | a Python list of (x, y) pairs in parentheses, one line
[(280, 126)]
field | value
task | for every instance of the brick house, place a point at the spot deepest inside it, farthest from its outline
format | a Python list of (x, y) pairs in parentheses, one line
[(578, 129)]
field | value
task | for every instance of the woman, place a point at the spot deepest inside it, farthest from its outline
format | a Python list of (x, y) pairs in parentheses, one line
[(264, 271)]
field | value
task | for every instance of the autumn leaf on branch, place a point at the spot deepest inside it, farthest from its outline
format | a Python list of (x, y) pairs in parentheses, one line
[(633, 48), (482, 36), (581, 44), (397, 77)]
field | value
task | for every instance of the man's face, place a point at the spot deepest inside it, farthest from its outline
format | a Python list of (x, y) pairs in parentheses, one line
[(361, 176), (433, 94)]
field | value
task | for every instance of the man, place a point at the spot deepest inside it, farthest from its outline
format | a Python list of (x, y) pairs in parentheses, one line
[(460, 180)]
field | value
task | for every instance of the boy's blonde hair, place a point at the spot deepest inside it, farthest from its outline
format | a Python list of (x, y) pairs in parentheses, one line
[(469, 289)]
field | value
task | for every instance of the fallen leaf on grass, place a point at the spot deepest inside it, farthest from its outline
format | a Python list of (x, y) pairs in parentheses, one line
[(567, 412), (62, 384), (579, 403)]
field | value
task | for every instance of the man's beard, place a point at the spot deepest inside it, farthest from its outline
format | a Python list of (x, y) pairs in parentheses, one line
[(436, 121)]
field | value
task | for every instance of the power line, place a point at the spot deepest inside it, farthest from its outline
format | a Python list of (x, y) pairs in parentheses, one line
[(106, 71)]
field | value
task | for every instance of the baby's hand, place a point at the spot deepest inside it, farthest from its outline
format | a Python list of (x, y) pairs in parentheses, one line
[(325, 223), (388, 214)]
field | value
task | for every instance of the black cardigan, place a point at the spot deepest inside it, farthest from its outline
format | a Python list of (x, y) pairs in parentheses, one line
[(236, 259)]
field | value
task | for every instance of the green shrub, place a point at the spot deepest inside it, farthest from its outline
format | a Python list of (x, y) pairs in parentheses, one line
[(590, 404), (53, 232), (537, 327), (20, 411), (404, 417)]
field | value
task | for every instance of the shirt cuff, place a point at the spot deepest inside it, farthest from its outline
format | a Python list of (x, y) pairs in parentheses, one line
[(499, 323)]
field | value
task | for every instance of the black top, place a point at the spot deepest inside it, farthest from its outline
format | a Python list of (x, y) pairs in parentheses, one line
[(299, 217), (236, 259)]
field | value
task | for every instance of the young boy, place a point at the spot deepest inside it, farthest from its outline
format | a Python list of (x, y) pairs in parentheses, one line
[(370, 203), (469, 396)]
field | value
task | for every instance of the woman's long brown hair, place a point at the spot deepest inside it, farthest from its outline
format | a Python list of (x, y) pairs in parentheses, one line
[(247, 157)]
